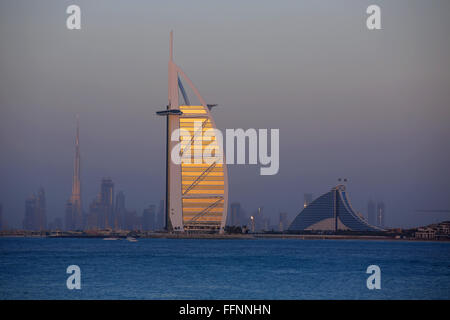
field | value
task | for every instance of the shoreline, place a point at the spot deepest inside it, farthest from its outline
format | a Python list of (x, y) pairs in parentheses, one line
[(254, 236)]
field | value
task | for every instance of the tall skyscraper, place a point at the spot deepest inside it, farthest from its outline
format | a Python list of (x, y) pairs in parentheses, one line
[(120, 210), (55, 225), (132, 221), (381, 212), (94, 217), (42, 210), (235, 214), (30, 209), (69, 220), (307, 199), (283, 221), (148, 218), (196, 190), (259, 221), (160, 219), (102, 213), (371, 215), (107, 201), (58, 223), (35, 212), (74, 210)]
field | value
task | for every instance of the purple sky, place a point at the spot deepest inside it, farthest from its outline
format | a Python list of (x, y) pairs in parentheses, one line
[(371, 106)]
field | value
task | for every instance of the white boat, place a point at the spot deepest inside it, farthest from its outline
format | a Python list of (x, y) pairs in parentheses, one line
[(132, 239), (110, 238)]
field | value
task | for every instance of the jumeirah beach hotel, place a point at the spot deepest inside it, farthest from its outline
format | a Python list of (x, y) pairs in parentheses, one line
[(331, 211)]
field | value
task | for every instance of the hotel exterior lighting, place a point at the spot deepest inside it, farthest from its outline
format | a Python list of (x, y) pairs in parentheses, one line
[(196, 192)]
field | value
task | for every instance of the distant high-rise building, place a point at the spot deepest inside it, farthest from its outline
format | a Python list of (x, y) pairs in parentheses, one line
[(259, 222), (30, 209), (132, 221), (148, 218), (371, 216), (381, 212), (266, 224), (120, 210), (35, 212), (161, 216), (283, 221), (307, 199), (102, 212), (94, 217), (58, 223), (259, 219), (74, 211), (55, 225), (42, 208), (107, 201), (1, 217), (68, 217), (235, 214), (243, 217)]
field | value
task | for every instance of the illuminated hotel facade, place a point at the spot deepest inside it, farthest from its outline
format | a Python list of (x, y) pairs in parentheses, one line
[(196, 190)]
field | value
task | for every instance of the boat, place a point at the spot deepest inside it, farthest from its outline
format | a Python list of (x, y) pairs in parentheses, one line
[(111, 238), (132, 239)]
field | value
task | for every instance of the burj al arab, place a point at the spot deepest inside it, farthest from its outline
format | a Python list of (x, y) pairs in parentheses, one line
[(196, 192)]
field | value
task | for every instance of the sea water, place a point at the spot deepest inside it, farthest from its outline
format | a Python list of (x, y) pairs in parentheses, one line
[(35, 268)]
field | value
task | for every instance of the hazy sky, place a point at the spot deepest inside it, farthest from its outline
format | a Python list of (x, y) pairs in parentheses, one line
[(371, 106)]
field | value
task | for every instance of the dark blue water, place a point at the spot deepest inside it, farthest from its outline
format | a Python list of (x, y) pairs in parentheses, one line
[(34, 268)]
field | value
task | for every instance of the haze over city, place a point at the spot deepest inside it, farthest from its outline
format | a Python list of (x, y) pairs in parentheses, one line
[(372, 107)]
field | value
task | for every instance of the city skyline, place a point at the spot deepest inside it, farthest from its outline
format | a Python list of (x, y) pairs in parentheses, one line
[(370, 106), (224, 158)]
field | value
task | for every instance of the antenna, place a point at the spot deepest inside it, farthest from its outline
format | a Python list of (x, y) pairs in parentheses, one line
[(78, 130), (171, 45)]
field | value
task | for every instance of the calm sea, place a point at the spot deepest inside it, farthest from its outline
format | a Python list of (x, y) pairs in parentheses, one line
[(35, 268)]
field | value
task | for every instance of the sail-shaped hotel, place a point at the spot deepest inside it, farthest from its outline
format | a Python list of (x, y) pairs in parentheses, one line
[(196, 192)]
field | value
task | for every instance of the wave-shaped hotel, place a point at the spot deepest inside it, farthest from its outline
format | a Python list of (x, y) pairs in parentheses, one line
[(332, 211), (196, 192)]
